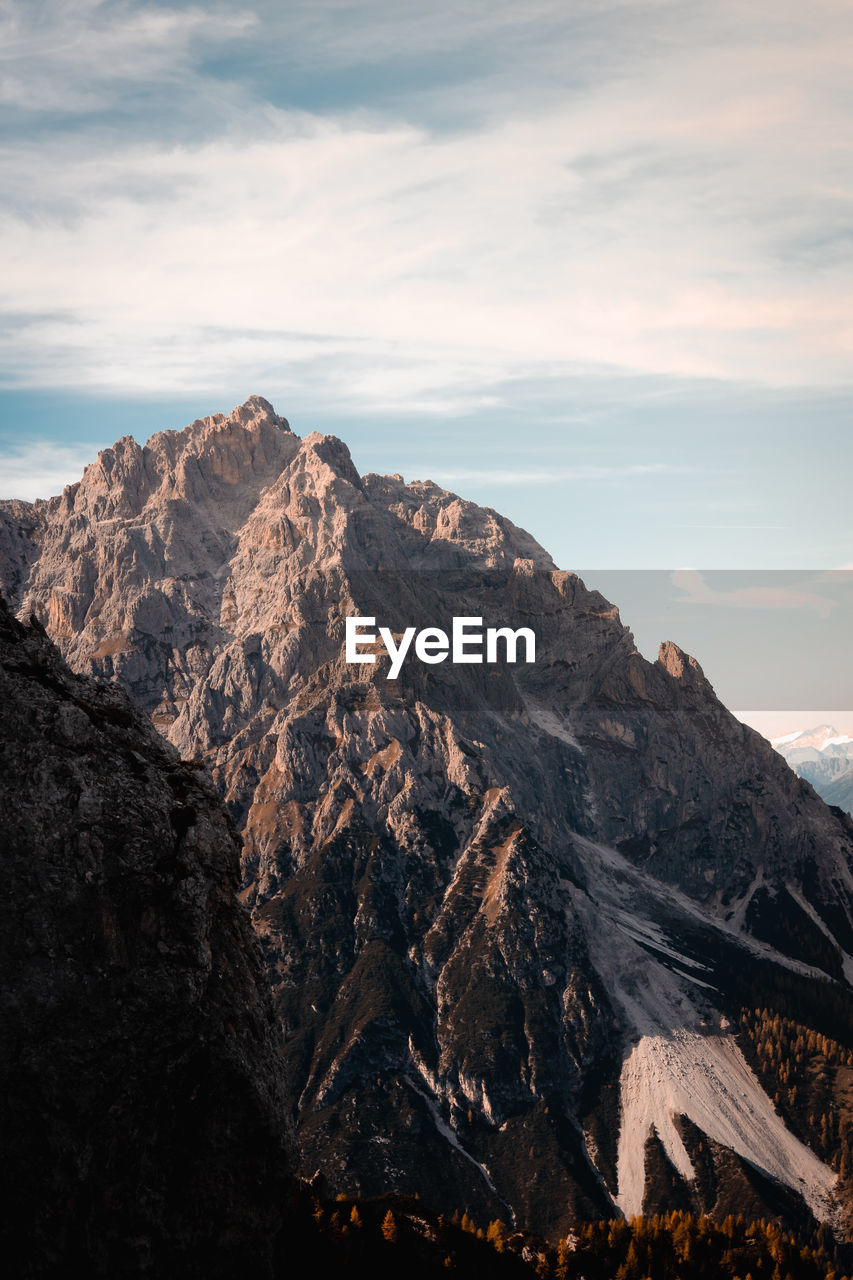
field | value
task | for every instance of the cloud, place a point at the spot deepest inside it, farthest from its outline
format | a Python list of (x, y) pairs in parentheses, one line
[(41, 470), (580, 474), (71, 56), (697, 591), (732, 526), (649, 218)]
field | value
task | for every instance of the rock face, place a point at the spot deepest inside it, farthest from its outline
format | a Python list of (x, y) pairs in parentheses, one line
[(144, 1117), (510, 913)]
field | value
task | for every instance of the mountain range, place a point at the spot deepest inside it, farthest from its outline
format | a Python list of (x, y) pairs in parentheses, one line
[(825, 758), (546, 941)]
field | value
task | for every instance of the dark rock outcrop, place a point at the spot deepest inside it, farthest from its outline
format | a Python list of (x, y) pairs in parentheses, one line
[(142, 1107)]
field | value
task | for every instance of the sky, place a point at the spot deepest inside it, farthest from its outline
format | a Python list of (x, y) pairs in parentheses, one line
[(588, 261)]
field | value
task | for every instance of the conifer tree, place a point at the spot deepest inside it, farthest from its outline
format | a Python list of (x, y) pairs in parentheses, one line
[(496, 1235), (389, 1228)]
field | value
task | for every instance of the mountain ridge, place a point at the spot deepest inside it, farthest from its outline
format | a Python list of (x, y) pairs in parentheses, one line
[(485, 896)]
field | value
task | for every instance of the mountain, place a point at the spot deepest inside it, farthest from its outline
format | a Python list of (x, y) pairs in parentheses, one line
[(840, 791), (823, 738), (824, 757), (545, 940), (144, 1106)]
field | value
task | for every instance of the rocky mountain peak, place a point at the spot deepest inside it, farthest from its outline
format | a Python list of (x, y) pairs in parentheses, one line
[(254, 414), (824, 757), (820, 738), (255, 408), (219, 462), (502, 905), (681, 666)]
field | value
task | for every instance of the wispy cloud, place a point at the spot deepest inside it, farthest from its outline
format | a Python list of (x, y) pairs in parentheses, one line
[(528, 220), (40, 471), (72, 56), (732, 526), (754, 597), (581, 474)]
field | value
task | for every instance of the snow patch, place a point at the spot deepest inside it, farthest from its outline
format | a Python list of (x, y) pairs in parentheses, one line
[(788, 737), (819, 739)]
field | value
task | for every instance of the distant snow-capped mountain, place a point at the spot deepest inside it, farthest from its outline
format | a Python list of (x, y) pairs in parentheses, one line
[(824, 757), (840, 792), (820, 739)]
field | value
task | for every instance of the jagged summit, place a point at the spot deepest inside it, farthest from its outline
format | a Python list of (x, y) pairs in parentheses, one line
[(255, 418), (254, 411), (681, 665), (511, 915), (214, 458)]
